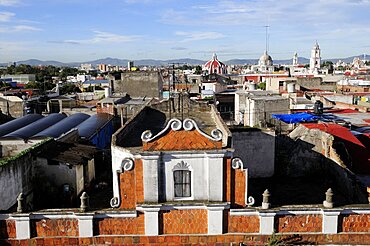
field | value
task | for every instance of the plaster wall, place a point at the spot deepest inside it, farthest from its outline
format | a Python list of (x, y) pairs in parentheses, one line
[(16, 177), (206, 176), (257, 150), (139, 84), (58, 174)]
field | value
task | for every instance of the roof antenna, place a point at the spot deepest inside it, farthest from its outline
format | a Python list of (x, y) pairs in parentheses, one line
[(267, 43)]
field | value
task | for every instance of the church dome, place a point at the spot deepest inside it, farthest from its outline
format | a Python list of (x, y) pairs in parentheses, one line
[(215, 66), (265, 60)]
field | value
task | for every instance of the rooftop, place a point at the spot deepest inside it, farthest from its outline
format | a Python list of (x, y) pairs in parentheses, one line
[(155, 117)]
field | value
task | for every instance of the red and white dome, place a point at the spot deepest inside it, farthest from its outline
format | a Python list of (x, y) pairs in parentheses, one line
[(215, 66)]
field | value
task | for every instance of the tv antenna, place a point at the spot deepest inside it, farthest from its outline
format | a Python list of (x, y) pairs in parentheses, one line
[(267, 33)]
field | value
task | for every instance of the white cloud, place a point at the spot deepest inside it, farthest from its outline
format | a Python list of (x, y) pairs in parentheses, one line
[(196, 36), (6, 16), (18, 28), (259, 13), (9, 2), (105, 37)]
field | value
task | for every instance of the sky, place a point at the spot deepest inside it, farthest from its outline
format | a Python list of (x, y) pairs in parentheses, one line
[(85, 30)]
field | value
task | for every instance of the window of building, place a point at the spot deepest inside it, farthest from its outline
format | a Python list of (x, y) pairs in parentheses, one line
[(182, 182)]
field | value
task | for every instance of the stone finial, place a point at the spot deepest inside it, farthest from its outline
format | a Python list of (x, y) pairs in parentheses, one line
[(328, 203), (20, 206), (265, 199), (84, 202)]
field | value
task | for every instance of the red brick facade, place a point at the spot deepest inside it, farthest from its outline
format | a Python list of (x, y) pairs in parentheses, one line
[(189, 221), (128, 194), (227, 180), (299, 223), (354, 223), (182, 140), (119, 226), (235, 239), (7, 229), (244, 224), (238, 194), (139, 181), (54, 228)]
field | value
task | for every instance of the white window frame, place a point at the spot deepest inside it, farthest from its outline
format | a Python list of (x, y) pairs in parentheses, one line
[(183, 166)]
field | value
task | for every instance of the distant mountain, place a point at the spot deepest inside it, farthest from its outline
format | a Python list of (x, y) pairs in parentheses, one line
[(241, 61), (35, 62), (348, 59), (108, 60), (153, 62)]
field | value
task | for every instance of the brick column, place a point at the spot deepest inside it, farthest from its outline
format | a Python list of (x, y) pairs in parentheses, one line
[(22, 226), (215, 218), (85, 225), (330, 221), (151, 222), (267, 221)]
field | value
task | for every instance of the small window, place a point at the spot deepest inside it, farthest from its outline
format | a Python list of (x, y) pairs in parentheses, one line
[(182, 182)]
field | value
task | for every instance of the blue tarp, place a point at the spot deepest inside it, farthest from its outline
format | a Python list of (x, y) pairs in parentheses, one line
[(295, 118)]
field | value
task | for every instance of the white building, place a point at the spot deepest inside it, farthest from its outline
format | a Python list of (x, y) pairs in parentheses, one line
[(254, 108), (315, 60), (265, 64)]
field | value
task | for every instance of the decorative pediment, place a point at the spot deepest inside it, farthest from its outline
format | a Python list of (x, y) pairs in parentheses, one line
[(179, 135), (182, 166)]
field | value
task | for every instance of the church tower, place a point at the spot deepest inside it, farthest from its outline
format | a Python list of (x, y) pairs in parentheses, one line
[(295, 59), (315, 59)]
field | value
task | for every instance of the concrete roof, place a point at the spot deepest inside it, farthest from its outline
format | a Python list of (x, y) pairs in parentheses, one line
[(12, 98), (154, 117)]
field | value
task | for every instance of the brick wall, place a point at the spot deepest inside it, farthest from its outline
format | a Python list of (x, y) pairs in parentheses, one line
[(54, 227), (245, 224), (354, 223), (119, 226), (234, 239), (139, 179), (128, 194), (228, 182), (239, 188), (108, 108), (298, 223), (7, 229), (188, 221)]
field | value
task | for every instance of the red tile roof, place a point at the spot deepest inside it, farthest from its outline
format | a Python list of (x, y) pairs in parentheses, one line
[(182, 140)]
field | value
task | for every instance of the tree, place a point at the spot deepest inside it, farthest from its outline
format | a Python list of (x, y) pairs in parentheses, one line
[(262, 86), (327, 64), (69, 88), (198, 70)]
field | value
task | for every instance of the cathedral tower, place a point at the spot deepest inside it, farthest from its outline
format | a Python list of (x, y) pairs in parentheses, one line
[(315, 59)]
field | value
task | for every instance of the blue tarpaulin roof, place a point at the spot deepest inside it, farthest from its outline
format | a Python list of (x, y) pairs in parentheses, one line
[(295, 118)]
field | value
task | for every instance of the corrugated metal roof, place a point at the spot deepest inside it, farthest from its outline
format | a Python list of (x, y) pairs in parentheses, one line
[(90, 126), (63, 126), (16, 124), (35, 127)]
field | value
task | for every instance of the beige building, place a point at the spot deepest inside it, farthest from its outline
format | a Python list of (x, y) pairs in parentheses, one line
[(254, 108)]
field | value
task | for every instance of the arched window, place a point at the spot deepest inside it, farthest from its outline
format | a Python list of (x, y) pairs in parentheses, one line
[(182, 180)]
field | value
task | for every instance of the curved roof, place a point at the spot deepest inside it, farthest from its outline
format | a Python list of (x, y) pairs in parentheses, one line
[(63, 126), (16, 124), (90, 126), (265, 59), (35, 127), (214, 65)]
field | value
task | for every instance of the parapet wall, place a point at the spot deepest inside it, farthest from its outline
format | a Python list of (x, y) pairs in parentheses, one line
[(189, 224)]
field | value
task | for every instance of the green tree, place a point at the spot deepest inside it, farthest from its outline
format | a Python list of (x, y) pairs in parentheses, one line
[(262, 86)]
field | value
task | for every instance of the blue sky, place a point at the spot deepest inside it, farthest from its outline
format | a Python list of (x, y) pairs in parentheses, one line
[(82, 30)]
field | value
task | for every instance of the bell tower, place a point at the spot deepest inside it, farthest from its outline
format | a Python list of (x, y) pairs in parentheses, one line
[(315, 59)]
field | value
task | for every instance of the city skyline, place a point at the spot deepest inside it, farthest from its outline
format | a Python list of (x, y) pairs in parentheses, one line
[(79, 30)]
